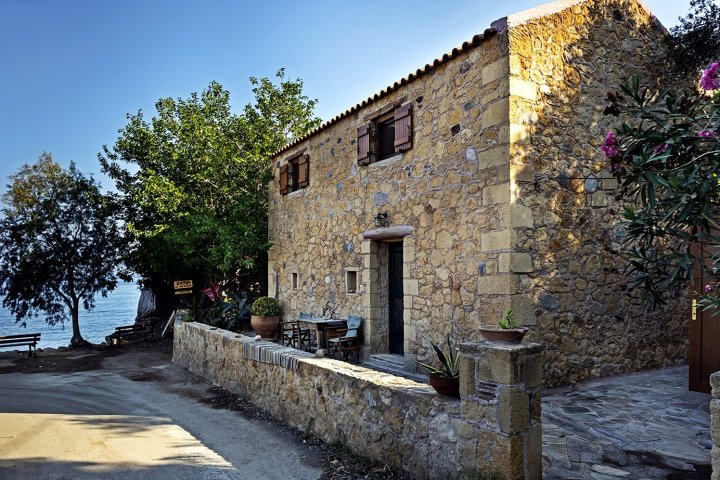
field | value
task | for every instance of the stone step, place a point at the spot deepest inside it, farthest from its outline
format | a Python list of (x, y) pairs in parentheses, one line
[(394, 365)]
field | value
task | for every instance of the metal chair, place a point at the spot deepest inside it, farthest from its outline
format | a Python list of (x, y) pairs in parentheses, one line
[(346, 340)]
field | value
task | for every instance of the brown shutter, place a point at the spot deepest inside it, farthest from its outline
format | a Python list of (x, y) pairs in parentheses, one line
[(364, 145), (284, 179), (403, 128), (303, 171)]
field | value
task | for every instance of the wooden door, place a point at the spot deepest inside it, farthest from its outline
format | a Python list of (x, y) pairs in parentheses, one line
[(704, 354), (395, 298)]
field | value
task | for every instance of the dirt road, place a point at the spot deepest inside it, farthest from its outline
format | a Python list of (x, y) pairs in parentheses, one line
[(137, 417)]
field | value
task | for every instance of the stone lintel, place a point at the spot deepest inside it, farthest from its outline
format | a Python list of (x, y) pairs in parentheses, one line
[(385, 233)]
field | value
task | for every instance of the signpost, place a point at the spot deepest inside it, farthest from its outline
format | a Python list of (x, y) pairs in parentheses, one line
[(183, 287)]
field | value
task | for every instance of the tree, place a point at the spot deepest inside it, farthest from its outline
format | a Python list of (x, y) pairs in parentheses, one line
[(695, 41), (667, 158), (195, 200), (59, 244)]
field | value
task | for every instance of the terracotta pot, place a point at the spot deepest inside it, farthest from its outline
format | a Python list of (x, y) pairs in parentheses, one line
[(445, 385), (266, 327), (493, 333)]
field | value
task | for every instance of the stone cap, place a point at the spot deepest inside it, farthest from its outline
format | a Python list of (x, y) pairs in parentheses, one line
[(481, 347), (500, 363), (397, 231)]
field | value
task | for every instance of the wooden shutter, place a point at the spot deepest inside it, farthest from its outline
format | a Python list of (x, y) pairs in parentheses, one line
[(303, 171), (403, 128), (284, 179), (364, 145)]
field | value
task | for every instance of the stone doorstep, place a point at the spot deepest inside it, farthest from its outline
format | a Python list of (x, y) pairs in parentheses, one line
[(394, 365)]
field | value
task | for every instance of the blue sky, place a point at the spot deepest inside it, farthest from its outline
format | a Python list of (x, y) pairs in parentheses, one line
[(70, 70)]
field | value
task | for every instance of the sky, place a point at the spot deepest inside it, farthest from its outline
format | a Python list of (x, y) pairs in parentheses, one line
[(70, 70)]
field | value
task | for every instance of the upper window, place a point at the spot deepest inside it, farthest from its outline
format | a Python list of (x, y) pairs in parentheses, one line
[(295, 174), (386, 135)]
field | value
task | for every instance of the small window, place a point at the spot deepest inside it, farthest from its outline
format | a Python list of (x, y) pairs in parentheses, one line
[(387, 134), (294, 171), (294, 280), (351, 281), (295, 175), (385, 137)]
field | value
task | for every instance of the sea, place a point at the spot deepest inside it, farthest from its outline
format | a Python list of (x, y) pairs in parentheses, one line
[(118, 308)]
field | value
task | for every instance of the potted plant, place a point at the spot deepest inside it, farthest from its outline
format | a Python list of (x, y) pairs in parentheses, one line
[(265, 319), (507, 329), (445, 380)]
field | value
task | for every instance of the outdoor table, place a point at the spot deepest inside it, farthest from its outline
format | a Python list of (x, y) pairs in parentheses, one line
[(319, 324)]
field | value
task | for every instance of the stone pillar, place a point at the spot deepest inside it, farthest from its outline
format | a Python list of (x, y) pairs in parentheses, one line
[(500, 398), (715, 424)]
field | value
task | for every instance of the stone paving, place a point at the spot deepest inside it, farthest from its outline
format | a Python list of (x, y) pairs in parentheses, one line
[(639, 426)]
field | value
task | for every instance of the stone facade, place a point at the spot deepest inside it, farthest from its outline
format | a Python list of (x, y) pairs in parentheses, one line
[(561, 67), (493, 430), (483, 221)]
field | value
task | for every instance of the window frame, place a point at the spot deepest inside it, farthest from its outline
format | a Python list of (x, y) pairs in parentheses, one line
[(290, 173), (352, 272), (293, 180), (370, 137), (379, 136)]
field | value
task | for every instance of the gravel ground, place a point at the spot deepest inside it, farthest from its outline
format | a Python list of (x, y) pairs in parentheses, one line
[(338, 463)]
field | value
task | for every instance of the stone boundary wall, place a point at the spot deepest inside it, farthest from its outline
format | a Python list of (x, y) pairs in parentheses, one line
[(493, 430), (715, 424)]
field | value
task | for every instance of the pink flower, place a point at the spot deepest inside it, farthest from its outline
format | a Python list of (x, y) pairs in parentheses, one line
[(616, 167), (610, 147), (709, 288), (706, 134), (212, 292), (709, 79), (661, 148)]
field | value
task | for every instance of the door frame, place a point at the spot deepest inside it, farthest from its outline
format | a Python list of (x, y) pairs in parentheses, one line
[(375, 323)]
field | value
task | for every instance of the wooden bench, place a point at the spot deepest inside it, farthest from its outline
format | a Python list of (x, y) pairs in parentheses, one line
[(146, 330), (29, 339)]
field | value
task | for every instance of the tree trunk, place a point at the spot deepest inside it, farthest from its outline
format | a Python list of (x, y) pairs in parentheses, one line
[(77, 340)]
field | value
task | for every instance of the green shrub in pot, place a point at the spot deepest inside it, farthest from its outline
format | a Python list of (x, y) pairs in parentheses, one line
[(266, 307)]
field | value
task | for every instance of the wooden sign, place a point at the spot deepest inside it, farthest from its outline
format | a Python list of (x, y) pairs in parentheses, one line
[(182, 284)]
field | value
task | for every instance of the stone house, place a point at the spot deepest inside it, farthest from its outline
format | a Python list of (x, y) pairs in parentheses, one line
[(476, 184)]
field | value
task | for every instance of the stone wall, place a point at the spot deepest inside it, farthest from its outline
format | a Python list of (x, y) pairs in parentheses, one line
[(486, 224), (715, 424), (564, 58), (493, 430), (459, 118)]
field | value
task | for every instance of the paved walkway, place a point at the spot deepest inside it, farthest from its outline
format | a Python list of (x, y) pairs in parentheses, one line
[(639, 426)]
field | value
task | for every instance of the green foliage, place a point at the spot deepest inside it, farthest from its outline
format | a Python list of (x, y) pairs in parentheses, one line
[(60, 244), (450, 362), (668, 161), (192, 182), (507, 321), (695, 41), (232, 312), (266, 307)]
